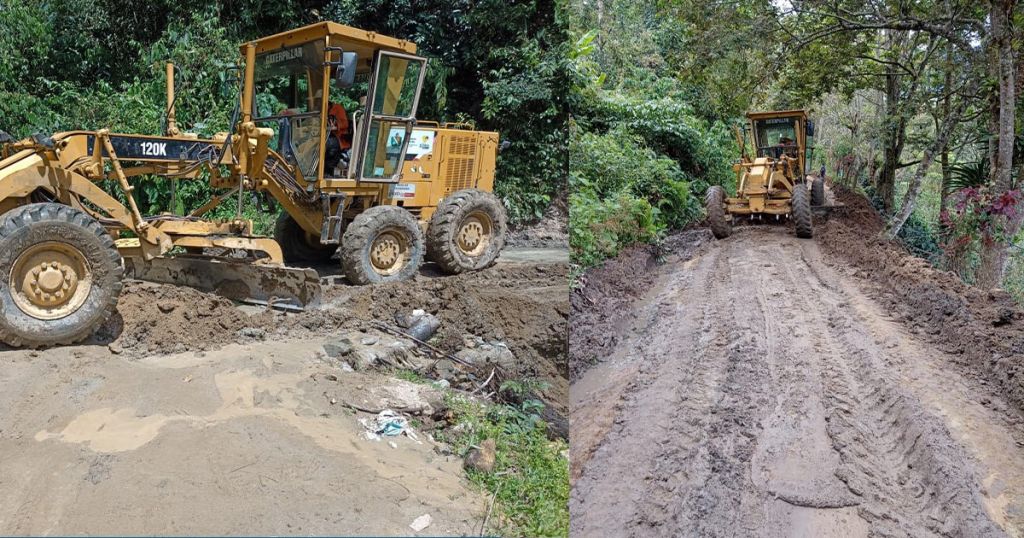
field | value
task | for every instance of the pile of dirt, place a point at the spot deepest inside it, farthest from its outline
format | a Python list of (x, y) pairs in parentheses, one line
[(601, 301), (521, 306), (552, 230), (158, 319), (984, 328)]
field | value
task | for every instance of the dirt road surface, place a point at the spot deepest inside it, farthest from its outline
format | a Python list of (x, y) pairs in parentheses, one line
[(756, 390), (188, 414)]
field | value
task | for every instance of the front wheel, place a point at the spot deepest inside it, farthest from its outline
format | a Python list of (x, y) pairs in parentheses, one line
[(801, 211), (818, 192), (467, 232), (382, 244), (60, 275), (717, 219)]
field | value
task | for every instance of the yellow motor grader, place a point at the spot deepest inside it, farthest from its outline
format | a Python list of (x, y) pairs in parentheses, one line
[(401, 191), (776, 181)]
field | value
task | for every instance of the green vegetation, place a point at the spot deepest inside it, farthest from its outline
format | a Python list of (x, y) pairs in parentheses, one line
[(644, 144), (89, 64), (530, 479)]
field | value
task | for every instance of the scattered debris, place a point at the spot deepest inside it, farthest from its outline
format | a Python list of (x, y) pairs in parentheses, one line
[(252, 333), (420, 523), (424, 327), (388, 423), (338, 348), (481, 458)]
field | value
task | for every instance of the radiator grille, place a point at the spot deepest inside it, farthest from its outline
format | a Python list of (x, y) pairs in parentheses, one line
[(460, 171)]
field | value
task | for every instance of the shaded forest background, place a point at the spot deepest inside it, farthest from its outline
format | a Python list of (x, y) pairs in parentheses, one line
[(89, 64), (917, 106)]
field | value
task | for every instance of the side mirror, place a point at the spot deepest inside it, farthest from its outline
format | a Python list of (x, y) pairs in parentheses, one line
[(810, 128), (345, 75)]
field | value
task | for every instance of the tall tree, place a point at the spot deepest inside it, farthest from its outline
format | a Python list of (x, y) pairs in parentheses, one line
[(993, 253)]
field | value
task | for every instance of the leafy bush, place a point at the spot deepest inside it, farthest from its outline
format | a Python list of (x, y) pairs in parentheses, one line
[(669, 126), (601, 228), (531, 472), (623, 192)]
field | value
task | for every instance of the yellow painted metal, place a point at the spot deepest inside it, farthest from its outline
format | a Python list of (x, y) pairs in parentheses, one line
[(390, 252), (172, 125), (362, 42), (256, 244), (475, 233), (765, 184), (50, 280), (126, 188)]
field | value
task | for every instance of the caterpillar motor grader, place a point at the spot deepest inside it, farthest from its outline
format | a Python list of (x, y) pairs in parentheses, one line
[(776, 181), (402, 191)]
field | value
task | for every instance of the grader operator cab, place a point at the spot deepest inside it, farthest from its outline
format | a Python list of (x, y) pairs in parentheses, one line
[(776, 181), (324, 124)]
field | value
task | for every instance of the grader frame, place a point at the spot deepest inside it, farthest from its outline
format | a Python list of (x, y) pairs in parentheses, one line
[(386, 197), (774, 181)]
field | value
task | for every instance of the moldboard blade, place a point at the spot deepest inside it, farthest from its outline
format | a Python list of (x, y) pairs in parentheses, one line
[(238, 281)]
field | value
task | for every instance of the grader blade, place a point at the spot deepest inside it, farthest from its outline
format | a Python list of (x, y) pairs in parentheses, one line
[(281, 287)]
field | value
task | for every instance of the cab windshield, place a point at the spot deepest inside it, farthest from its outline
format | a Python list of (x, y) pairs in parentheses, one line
[(775, 137), (289, 91)]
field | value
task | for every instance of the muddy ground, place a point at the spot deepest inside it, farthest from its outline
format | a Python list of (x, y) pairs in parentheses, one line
[(189, 414), (768, 386)]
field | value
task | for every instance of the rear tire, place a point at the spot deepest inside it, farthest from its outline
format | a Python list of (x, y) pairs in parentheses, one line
[(818, 192), (717, 219), (801, 212), (467, 232), (382, 244), (60, 275), (297, 245)]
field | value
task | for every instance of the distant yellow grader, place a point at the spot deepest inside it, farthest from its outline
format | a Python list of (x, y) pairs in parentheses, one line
[(370, 184), (776, 181)]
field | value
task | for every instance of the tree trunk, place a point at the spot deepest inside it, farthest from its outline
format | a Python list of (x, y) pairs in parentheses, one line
[(944, 156), (993, 255), (895, 134), (895, 224)]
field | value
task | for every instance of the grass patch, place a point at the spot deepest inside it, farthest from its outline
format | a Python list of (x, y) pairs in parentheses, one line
[(531, 472), (411, 376)]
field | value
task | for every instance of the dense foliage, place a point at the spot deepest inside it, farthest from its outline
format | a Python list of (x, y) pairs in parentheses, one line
[(646, 144), (100, 63)]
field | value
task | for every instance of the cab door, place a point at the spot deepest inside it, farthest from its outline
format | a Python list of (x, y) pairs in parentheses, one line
[(394, 94)]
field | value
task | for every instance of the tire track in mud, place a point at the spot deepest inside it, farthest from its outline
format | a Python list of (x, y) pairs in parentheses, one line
[(913, 478), (766, 407)]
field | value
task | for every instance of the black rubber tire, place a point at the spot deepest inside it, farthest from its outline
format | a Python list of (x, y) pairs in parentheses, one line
[(448, 219), (818, 192), (717, 219), (295, 243), (364, 229), (32, 224), (801, 212)]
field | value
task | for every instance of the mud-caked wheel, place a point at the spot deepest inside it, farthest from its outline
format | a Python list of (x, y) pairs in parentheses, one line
[(467, 232), (60, 275), (801, 212), (717, 219), (297, 244), (818, 192), (382, 244)]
